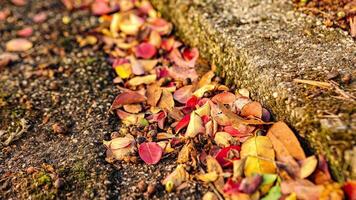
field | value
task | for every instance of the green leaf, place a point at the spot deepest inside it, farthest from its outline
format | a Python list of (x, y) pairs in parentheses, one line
[(273, 194)]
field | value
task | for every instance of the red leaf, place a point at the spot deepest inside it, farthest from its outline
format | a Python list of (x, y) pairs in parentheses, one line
[(225, 155), (160, 25), (159, 118), (205, 118), (162, 72), (167, 44), (224, 98), (231, 187), (182, 123), (127, 98), (192, 102), (25, 32), (190, 54), (150, 152), (350, 189), (183, 94), (145, 50)]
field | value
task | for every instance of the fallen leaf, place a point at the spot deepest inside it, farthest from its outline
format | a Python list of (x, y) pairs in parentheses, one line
[(252, 109), (120, 142), (40, 17), (184, 153), (181, 73), (208, 177), (268, 182), (139, 80), (201, 91), (223, 139), (123, 70), (304, 189), (128, 118), (183, 94), (204, 110), (160, 25), (227, 155), (153, 94), (166, 101), (167, 44), (18, 44), (136, 66), (219, 116), (155, 39), (148, 65), (158, 117), (133, 108), (164, 136), (195, 126), (231, 187), (259, 155), (238, 169), (145, 50), (224, 98), (350, 189), (308, 166), (150, 152), (182, 123), (273, 194), (127, 98), (176, 178), (286, 136), (250, 184), (214, 166), (210, 196)]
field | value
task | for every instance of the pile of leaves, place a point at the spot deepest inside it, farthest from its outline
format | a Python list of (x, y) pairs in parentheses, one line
[(222, 138), (335, 13)]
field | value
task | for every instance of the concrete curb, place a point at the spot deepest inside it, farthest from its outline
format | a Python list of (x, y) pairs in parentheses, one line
[(263, 46)]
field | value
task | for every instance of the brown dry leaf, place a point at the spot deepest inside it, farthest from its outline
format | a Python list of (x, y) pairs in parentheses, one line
[(166, 101), (148, 65), (237, 120), (282, 132), (195, 126), (153, 94), (155, 39), (238, 169), (214, 166), (176, 178), (223, 139), (252, 109), (19, 44), (164, 136), (183, 94), (259, 155), (133, 108), (184, 154), (308, 166), (138, 80), (126, 98)]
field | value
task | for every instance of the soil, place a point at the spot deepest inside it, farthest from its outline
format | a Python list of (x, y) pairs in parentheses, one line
[(60, 94), (335, 13)]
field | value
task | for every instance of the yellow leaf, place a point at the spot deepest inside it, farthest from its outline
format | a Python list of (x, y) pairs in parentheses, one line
[(114, 25), (223, 139), (208, 177), (292, 196), (238, 166), (210, 196), (184, 153), (138, 80), (308, 166), (124, 70), (195, 126), (259, 155), (203, 110), (200, 92)]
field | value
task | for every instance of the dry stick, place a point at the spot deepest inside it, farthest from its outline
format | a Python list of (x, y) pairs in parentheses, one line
[(314, 83), (342, 92), (17, 133)]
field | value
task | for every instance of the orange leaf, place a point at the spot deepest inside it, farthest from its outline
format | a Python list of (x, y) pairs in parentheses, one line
[(166, 100), (286, 136), (153, 93), (252, 109)]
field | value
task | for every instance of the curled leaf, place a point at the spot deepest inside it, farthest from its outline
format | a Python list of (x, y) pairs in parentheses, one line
[(153, 93), (128, 97), (150, 152), (252, 109), (214, 166), (227, 155), (166, 101), (201, 91), (224, 98), (182, 123), (208, 177), (223, 139)]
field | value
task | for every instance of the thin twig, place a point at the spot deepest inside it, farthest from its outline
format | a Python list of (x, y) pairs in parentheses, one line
[(314, 83)]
